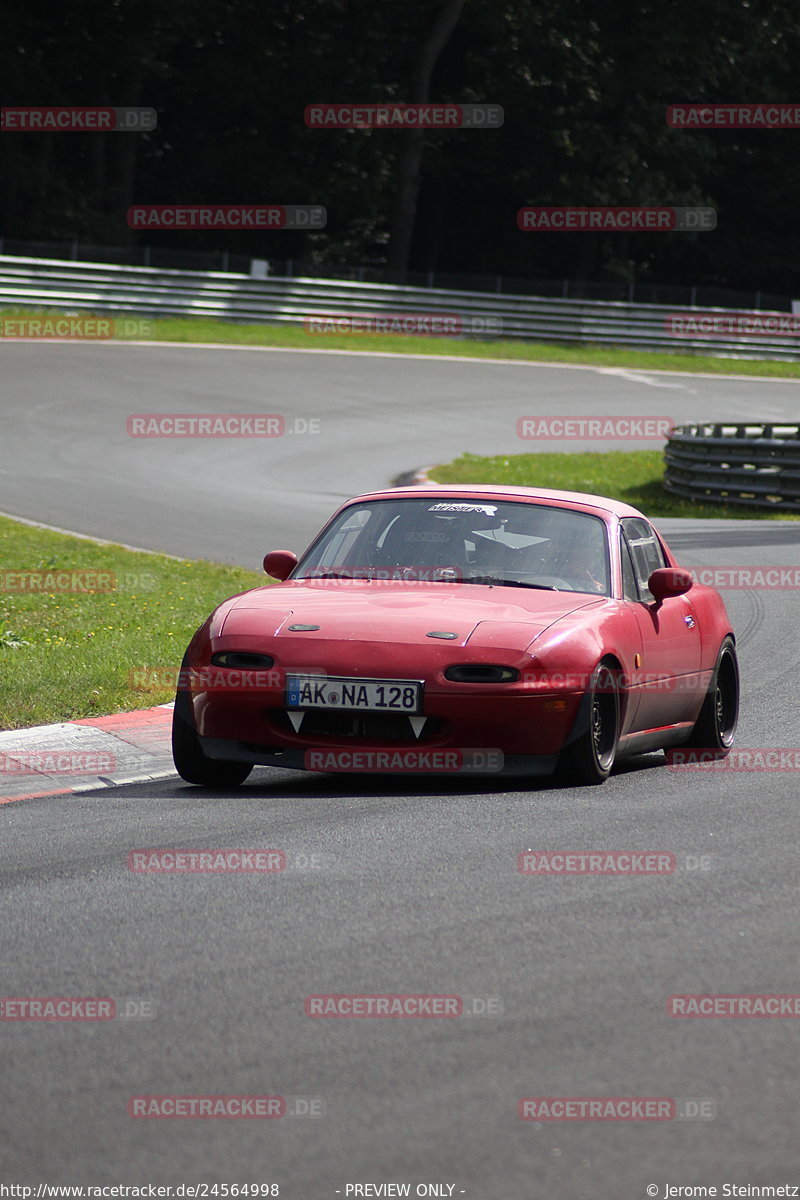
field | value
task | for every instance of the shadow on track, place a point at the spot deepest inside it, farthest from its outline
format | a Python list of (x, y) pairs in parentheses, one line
[(314, 786)]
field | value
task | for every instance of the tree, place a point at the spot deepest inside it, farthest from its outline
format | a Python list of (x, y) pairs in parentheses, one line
[(408, 175)]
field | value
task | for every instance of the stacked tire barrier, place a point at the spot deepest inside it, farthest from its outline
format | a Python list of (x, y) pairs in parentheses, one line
[(757, 464)]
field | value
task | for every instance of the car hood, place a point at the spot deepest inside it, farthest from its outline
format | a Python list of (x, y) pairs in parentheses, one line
[(356, 611)]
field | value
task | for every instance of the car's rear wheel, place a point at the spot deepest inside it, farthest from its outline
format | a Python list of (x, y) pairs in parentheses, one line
[(187, 753), (715, 727), (590, 757)]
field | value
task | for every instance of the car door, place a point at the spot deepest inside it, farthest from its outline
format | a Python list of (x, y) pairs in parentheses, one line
[(670, 667)]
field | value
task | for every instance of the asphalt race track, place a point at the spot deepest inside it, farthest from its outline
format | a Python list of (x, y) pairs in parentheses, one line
[(67, 459), (391, 886)]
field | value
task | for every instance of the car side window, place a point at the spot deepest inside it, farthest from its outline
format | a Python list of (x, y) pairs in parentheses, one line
[(645, 550), (629, 589), (339, 544)]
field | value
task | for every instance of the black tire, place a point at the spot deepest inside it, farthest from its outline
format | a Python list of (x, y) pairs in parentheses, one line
[(187, 753), (590, 758), (715, 727)]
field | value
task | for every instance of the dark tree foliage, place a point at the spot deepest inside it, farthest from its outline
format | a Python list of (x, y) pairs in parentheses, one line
[(584, 85)]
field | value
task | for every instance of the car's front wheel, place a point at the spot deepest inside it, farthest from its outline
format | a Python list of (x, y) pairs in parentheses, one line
[(590, 757), (187, 753), (716, 725)]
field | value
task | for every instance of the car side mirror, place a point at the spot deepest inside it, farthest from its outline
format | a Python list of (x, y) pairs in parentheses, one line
[(280, 563), (669, 581)]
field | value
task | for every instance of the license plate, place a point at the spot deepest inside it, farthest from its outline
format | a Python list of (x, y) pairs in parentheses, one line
[(328, 691)]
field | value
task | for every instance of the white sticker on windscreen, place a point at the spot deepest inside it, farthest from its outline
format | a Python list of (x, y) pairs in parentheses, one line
[(488, 510)]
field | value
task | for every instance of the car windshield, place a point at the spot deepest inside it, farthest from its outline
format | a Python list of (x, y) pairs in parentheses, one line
[(444, 540)]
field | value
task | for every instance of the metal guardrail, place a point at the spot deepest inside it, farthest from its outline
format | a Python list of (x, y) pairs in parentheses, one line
[(150, 292), (697, 295), (757, 464), (170, 257)]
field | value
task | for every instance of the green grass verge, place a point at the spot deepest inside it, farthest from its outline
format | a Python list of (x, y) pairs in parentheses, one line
[(65, 655), (202, 329), (630, 475)]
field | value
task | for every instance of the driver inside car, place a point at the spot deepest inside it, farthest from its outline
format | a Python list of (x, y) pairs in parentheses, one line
[(580, 562)]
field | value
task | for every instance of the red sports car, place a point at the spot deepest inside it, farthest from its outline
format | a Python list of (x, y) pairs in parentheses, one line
[(444, 629)]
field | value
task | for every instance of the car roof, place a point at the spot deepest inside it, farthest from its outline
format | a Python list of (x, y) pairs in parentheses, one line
[(579, 500)]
